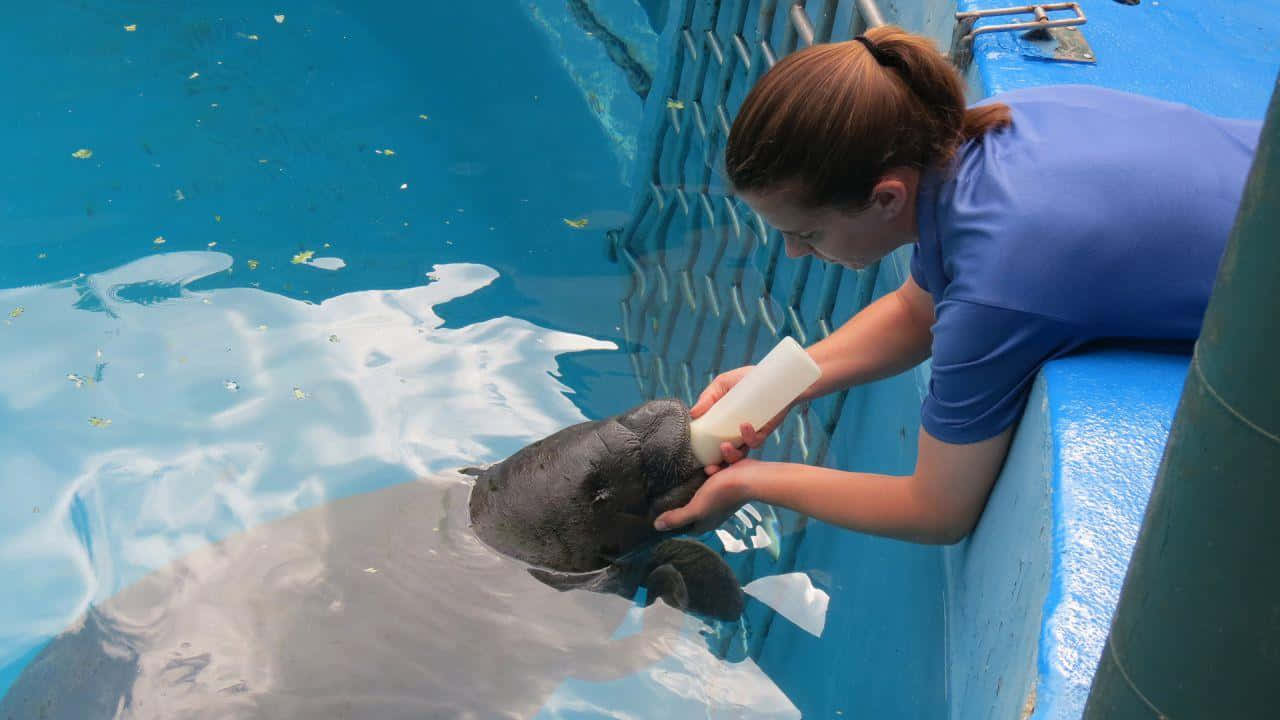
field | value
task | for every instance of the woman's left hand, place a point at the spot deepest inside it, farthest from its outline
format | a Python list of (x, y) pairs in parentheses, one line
[(718, 498)]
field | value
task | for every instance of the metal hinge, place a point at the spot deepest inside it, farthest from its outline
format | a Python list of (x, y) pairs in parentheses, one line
[(1047, 38)]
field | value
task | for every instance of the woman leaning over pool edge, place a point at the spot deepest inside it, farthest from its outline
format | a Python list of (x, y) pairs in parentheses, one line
[(1042, 220)]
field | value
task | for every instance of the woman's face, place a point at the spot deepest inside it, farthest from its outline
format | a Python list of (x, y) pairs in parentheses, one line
[(852, 239)]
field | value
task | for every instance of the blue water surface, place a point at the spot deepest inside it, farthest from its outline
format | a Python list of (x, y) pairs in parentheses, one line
[(254, 260)]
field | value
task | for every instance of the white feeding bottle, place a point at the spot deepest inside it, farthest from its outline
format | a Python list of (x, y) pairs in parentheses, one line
[(767, 389)]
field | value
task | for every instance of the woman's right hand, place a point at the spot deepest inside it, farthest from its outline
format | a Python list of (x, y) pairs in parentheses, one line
[(751, 438)]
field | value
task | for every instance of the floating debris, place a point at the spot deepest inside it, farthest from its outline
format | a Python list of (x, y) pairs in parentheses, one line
[(177, 195), (82, 154), (231, 385), (576, 224), (159, 240), (302, 257), (213, 244), (298, 394), (217, 218), (246, 37), (99, 422), (213, 105), (16, 312), (675, 104), (404, 186), (253, 264), (371, 570), (41, 256), (279, 19), (77, 379), (388, 151), (328, 263), (193, 76), (262, 328), (141, 375), (206, 301), (423, 117), (130, 28), (334, 339), (326, 244)]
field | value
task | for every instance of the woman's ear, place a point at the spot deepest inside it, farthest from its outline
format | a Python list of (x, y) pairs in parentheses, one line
[(889, 198)]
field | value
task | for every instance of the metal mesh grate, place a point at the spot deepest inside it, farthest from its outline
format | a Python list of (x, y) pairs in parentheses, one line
[(707, 291)]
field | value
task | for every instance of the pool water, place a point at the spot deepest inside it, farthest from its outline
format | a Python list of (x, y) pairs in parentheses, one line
[(268, 277)]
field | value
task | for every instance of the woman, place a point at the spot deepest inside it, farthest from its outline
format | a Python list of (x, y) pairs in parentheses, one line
[(1041, 220)]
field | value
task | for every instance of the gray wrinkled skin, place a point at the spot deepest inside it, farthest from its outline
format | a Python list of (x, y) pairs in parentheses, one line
[(580, 504)]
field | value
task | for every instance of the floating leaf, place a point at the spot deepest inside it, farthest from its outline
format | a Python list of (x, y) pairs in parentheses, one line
[(302, 257), (404, 186), (388, 151), (371, 570), (279, 19), (423, 117), (217, 218), (159, 240), (177, 195), (298, 394), (41, 256), (78, 380), (82, 154), (231, 385), (675, 104), (262, 328), (213, 244), (334, 339), (576, 224), (193, 76), (17, 311), (99, 422), (253, 264), (246, 37), (130, 28)]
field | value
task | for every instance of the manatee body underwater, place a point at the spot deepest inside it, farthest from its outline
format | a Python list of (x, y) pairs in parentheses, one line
[(579, 505), (379, 605)]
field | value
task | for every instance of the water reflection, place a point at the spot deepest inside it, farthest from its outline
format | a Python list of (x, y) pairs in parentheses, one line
[(328, 432)]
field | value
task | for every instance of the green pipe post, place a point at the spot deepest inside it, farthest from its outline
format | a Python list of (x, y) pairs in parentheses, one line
[(1197, 630)]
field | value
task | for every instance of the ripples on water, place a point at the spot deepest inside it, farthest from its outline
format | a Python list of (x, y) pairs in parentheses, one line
[(357, 587), (228, 482)]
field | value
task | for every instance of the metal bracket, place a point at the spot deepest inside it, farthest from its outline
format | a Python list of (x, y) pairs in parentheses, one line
[(1050, 39)]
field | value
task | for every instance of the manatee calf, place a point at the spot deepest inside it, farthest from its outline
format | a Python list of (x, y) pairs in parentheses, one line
[(580, 505)]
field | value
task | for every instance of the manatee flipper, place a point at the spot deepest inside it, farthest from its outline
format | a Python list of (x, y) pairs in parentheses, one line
[(685, 573), (666, 582), (710, 586)]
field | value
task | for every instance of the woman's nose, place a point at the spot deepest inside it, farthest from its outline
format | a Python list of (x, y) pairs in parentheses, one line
[(796, 248)]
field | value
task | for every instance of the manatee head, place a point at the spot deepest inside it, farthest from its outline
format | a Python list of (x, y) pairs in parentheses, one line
[(586, 495)]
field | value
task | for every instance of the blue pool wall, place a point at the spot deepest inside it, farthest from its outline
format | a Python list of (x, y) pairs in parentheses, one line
[(1014, 617)]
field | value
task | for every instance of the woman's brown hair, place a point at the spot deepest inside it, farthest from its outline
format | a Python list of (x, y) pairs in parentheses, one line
[(835, 117)]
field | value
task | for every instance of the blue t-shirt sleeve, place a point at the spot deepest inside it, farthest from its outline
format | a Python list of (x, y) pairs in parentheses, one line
[(984, 362)]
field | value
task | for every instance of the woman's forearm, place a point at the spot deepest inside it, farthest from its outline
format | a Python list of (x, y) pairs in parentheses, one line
[(882, 340), (886, 505)]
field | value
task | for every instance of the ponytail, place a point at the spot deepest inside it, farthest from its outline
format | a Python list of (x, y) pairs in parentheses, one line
[(837, 116)]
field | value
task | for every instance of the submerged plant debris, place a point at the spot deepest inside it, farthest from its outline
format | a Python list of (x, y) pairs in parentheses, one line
[(82, 154), (303, 257), (576, 224), (99, 422)]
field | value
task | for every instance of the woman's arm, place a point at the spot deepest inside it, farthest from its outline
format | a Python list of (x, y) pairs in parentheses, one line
[(939, 503), (887, 337)]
